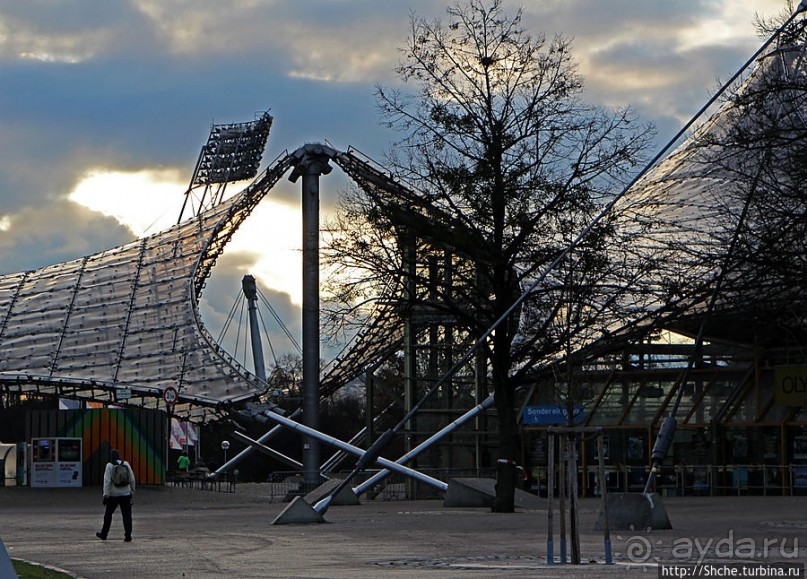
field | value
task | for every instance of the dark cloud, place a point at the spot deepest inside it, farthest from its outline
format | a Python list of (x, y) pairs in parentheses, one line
[(39, 236), (667, 87), (51, 18), (70, 117)]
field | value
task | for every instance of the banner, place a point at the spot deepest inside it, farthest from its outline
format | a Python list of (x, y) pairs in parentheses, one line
[(183, 434)]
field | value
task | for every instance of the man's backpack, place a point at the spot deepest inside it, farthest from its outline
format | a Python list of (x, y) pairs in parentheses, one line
[(120, 475)]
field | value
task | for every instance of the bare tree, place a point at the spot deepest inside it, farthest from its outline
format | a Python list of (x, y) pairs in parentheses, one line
[(287, 377), (509, 161)]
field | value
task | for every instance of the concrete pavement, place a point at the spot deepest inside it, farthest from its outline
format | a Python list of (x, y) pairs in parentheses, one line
[(194, 533)]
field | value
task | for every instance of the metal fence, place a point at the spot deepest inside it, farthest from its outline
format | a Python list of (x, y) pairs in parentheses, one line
[(682, 480), (282, 485), (704, 480), (202, 481)]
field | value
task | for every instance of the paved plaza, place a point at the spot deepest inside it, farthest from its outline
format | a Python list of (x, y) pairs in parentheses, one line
[(194, 533)]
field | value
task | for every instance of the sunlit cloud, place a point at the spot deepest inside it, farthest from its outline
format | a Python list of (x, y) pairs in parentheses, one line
[(22, 40), (358, 63), (274, 231), (149, 201), (53, 57), (618, 78), (145, 201)]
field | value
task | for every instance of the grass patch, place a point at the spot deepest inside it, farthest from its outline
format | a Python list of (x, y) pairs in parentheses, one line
[(27, 571)]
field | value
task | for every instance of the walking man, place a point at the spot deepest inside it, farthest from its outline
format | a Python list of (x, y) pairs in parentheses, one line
[(119, 487)]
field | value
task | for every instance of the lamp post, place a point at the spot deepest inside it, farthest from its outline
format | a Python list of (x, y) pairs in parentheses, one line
[(225, 444)]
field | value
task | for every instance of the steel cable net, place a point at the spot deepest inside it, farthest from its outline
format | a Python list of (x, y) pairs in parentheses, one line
[(730, 202), (724, 213), (128, 318), (725, 210), (376, 340)]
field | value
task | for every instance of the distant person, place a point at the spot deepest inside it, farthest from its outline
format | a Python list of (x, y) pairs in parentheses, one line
[(119, 487), (184, 463)]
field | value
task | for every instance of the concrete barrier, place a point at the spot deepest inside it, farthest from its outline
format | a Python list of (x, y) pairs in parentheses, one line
[(480, 492), (634, 512)]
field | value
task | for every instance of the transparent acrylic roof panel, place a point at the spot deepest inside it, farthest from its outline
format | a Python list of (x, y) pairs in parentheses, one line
[(728, 189), (127, 317), (697, 194)]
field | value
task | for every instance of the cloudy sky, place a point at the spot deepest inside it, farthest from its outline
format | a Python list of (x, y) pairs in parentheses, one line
[(104, 104)]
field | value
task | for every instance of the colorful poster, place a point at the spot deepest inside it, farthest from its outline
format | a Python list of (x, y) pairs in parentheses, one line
[(56, 462), (69, 449), (44, 450)]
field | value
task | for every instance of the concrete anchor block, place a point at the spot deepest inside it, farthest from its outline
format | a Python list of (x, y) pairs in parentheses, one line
[(634, 512), (298, 512)]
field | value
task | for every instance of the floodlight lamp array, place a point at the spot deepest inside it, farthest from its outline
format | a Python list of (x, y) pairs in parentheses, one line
[(233, 152)]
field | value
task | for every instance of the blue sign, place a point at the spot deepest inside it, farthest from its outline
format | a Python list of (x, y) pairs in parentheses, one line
[(555, 414)]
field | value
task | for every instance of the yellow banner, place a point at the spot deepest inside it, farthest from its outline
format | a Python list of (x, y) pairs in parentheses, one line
[(790, 385)]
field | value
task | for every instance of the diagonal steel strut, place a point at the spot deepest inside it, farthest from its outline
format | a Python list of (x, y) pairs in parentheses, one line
[(386, 463)]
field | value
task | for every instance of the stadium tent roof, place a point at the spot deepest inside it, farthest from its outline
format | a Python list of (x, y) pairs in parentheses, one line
[(128, 318), (730, 202)]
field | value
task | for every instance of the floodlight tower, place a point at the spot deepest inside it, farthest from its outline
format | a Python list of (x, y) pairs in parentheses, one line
[(232, 153)]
